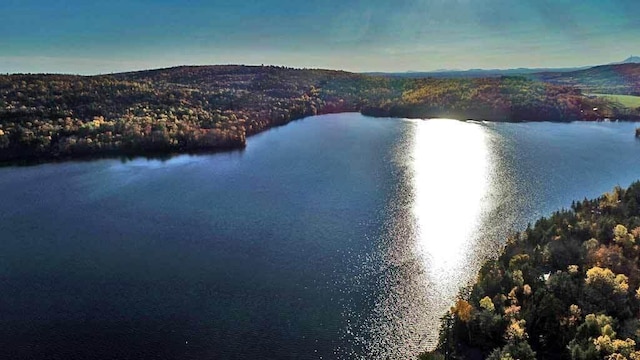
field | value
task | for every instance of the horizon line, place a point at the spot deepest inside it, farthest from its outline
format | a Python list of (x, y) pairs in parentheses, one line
[(577, 67)]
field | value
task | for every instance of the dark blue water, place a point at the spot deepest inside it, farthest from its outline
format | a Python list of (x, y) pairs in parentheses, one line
[(314, 242)]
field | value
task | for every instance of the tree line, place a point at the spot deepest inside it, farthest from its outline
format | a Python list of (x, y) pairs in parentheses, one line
[(194, 108)]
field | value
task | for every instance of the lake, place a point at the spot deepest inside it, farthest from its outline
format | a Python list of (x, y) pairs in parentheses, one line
[(337, 236)]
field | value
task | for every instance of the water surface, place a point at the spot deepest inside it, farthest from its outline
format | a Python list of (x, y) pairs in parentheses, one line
[(336, 236)]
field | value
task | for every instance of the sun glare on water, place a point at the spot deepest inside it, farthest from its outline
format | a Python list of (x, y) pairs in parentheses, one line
[(450, 162), (451, 178), (434, 241)]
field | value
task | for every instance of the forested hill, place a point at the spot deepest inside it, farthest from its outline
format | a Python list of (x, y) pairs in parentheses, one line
[(166, 110), (607, 79), (511, 99), (566, 288), (195, 108)]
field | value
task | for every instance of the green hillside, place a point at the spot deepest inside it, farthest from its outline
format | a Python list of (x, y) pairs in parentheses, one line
[(629, 101)]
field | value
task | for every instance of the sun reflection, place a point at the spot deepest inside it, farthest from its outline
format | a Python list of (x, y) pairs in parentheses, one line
[(450, 180), (450, 162), (445, 169)]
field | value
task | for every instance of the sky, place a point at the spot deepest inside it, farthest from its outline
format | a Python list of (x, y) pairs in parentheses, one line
[(90, 37)]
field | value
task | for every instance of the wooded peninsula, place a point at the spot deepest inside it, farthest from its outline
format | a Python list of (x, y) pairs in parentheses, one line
[(566, 288), (205, 108)]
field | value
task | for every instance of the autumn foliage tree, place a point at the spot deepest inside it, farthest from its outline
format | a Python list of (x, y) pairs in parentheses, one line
[(537, 300)]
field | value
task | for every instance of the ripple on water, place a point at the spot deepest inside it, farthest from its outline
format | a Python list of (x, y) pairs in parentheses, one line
[(444, 189)]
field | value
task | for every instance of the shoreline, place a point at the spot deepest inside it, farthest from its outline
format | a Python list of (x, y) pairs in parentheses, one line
[(166, 155)]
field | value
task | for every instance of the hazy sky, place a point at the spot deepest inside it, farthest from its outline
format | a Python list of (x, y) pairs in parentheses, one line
[(87, 37)]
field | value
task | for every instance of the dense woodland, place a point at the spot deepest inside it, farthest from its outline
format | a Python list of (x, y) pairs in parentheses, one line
[(196, 108), (566, 288), (168, 110), (510, 99)]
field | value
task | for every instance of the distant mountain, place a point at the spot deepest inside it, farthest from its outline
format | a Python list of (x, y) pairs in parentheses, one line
[(610, 79), (482, 73), (472, 73), (630, 60)]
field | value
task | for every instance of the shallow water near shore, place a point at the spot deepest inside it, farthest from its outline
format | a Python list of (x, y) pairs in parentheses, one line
[(337, 236)]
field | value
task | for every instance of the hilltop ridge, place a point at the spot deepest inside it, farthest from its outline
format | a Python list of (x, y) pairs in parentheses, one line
[(630, 60)]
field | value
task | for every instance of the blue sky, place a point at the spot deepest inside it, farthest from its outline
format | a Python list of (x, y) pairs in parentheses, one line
[(88, 37)]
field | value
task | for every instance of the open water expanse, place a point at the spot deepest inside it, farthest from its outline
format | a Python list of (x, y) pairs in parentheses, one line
[(337, 236)]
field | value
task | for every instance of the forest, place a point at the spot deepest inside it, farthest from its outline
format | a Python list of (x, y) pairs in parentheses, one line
[(184, 109), (512, 99), (205, 108), (567, 287)]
